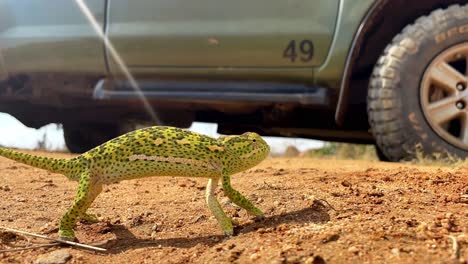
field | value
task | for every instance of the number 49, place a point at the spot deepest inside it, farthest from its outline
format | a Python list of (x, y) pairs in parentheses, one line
[(305, 47)]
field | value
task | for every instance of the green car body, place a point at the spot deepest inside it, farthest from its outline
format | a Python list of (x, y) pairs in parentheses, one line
[(244, 39), (62, 61)]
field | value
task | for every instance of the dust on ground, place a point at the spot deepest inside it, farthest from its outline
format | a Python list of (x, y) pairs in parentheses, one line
[(317, 211)]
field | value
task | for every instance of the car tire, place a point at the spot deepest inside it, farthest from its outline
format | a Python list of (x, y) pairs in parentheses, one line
[(380, 154), (80, 138), (412, 101)]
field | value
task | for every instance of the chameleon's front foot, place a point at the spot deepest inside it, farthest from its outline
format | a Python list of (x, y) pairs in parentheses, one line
[(226, 225), (260, 216), (67, 235), (228, 232), (90, 218), (256, 212)]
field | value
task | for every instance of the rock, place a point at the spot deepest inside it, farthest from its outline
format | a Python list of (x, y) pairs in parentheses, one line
[(21, 199), (346, 183), (330, 238), (319, 260), (254, 256), (395, 251), (353, 250), (226, 201), (5, 188), (56, 257)]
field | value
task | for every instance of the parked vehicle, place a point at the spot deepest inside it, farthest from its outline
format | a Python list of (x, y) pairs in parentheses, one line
[(389, 72)]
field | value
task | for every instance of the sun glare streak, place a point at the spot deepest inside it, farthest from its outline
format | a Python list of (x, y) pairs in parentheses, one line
[(116, 57)]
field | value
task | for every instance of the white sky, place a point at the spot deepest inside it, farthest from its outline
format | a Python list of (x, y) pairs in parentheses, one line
[(14, 134)]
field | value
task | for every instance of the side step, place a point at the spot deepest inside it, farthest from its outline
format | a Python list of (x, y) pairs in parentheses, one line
[(218, 91)]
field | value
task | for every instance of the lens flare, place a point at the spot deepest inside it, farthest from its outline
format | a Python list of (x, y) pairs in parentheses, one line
[(117, 58)]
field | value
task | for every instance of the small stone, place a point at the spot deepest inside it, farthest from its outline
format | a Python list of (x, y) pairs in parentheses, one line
[(21, 199), (276, 203), (5, 188), (463, 198), (346, 183), (219, 248), (319, 260), (330, 238), (226, 201), (180, 223), (254, 256), (200, 218), (260, 200), (395, 251), (353, 250), (309, 260), (56, 257), (44, 227)]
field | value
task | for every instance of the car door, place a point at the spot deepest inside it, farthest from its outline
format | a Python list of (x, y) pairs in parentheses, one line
[(51, 36), (229, 34)]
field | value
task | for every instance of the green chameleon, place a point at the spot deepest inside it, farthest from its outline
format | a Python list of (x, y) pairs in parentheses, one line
[(155, 151)]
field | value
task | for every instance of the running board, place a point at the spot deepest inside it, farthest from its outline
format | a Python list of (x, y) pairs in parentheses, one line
[(232, 91)]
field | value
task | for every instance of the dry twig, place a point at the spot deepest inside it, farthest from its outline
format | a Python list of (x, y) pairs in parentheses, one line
[(455, 247), (54, 239), (29, 247)]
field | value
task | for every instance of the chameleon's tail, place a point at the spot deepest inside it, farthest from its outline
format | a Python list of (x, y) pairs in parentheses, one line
[(50, 164)]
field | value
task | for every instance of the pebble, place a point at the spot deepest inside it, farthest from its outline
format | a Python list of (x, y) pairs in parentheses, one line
[(395, 251), (5, 188), (353, 250), (44, 227), (254, 256), (56, 257), (346, 183), (226, 201), (21, 199)]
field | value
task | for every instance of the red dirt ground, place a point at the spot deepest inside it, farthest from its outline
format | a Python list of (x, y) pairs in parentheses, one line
[(317, 211)]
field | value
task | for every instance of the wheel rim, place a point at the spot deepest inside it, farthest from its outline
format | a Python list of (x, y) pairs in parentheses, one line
[(444, 95)]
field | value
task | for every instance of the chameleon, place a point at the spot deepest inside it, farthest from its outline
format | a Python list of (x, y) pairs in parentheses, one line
[(155, 151)]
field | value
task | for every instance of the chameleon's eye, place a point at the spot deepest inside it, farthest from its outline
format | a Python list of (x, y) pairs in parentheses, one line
[(254, 140)]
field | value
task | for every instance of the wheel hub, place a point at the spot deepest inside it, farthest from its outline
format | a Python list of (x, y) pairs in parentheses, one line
[(444, 95)]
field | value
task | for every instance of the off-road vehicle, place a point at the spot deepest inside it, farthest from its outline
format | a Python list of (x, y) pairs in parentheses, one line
[(390, 72)]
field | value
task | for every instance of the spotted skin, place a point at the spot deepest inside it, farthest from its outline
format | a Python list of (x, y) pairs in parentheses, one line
[(156, 151)]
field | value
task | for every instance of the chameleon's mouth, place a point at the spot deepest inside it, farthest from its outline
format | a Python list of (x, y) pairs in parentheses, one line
[(263, 149)]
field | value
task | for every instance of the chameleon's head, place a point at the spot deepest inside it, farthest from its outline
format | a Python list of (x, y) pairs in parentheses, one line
[(244, 151)]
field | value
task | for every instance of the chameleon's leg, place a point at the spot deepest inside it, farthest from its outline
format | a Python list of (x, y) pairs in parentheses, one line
[(239, 199), (215, 208), (87, 192)]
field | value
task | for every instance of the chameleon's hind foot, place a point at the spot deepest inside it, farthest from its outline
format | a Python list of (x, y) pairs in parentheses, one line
[(260, 217), (90, 218), (67, 235), (235, 222), (228, 232)]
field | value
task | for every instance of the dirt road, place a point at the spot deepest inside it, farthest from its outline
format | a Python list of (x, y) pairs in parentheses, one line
[(317, 211)]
